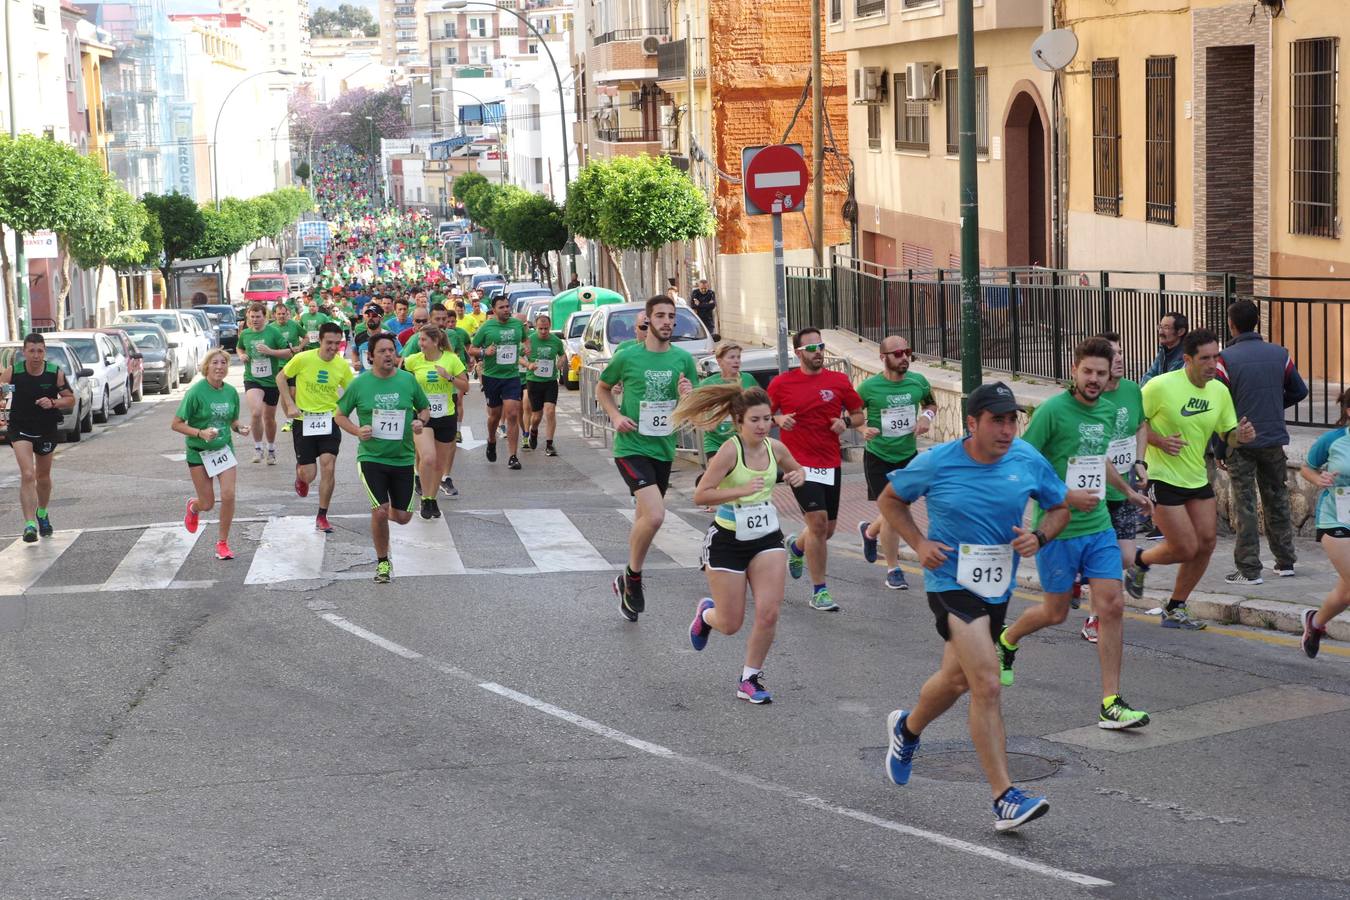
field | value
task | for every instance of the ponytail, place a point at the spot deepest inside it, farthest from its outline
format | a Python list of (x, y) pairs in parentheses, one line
[(708, 406)]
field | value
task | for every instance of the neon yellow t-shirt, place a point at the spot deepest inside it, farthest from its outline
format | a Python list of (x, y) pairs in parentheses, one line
[(315, 381), (1173, 405), (470, 322), (431, 382)]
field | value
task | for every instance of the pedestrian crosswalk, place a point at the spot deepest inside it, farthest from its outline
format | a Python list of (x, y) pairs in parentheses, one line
[(288, 549)]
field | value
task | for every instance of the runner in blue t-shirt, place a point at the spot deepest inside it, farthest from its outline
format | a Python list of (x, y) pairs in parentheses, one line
[(970, 554), (1328, 467)]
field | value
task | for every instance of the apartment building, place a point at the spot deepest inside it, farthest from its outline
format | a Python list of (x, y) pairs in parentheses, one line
[(287, 22)]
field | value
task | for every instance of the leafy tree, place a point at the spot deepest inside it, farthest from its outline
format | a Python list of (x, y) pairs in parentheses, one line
[(533, 225), (478, 203), (344, 21), (462, 184), (181, 226), (116, 237), (302, 172)]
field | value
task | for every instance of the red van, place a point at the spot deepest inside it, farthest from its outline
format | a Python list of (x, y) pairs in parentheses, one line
[(267, 287)]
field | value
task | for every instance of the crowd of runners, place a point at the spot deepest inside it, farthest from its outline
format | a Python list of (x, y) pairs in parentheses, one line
[(1095, 463)]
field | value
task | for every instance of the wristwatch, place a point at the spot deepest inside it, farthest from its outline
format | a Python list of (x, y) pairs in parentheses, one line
[(1040, 537)]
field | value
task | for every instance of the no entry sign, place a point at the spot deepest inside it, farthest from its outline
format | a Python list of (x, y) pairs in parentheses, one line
[(776, 172)]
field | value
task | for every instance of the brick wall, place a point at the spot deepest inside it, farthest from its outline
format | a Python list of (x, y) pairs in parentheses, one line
[(1215, 239), (760, 58)]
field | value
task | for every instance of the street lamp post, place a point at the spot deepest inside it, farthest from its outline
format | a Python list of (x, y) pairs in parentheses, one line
[(562, 102), (501, 168), (215, 133), (20, 298)]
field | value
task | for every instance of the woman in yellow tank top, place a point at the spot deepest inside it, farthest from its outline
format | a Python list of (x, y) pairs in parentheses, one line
[(744, 546)]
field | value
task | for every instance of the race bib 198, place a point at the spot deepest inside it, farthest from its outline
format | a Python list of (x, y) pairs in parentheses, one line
[(317, 424), (217, 461), (985, 569), (897, 421), (1087, 473), (654, 418), (387, 424), (506, 354), (755, 521), (438, 404)]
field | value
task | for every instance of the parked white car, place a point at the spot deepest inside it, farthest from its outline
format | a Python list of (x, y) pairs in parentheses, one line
[(611, 325), (102, 355), (470, 266), (299, 272), (188, 344)]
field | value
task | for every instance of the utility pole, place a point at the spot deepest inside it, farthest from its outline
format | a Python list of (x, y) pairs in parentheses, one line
[(689, 150), (970, 201), (817, 139), (19, 301)]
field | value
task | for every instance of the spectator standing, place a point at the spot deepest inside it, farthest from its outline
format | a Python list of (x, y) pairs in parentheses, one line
[(704, 300), (1263, 382), (1172, 328)]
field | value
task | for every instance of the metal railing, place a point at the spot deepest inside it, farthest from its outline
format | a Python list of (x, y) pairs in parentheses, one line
[(629, 34), (672, 59), (628, 135), (1030, 319)]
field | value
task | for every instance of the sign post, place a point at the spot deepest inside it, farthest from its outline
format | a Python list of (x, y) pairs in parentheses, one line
[(775, 181)]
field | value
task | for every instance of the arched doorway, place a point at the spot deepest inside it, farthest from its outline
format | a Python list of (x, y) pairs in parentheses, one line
[(1026, 199)]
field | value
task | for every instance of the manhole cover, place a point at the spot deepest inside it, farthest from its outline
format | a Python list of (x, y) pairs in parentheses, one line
[(964, 765)]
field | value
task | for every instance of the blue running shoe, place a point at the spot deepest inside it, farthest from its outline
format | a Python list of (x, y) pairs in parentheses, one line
[(699, 629), (1015, 808), (44, 526), (895, 580), (900, 757), (752, 689), (869, 544), (796, 562)]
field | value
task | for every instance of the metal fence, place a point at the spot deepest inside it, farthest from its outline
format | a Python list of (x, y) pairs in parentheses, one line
[(1030, 319)]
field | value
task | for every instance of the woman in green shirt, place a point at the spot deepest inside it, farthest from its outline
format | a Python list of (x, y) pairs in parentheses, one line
[(209, 411), (729, 372)]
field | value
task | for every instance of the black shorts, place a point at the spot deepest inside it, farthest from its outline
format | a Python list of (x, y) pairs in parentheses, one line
[(642, 471), (1337, 532), (387, 484), (499, 390), (875, 469), (723, 553), (43, 444), (444, 427), (542, 392), (308, 449), (966, 607), (271, 395), (813, 496), (1164, 494)]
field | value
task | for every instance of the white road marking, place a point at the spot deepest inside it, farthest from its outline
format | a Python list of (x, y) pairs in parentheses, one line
[(677, 539), (424, 547), (553, 542), (1268, 706), (752, 781), (154, 561), (291, 550), (468, 442), (21, 565)]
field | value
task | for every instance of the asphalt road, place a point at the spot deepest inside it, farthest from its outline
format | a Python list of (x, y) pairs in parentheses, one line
[(278, 726)]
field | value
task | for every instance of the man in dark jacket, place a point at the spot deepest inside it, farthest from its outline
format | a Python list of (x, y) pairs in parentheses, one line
[(1172, 328), (1263, 382), (704, 300)]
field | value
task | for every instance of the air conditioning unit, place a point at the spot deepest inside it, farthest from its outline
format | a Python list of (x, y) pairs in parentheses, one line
[(874, 85), (650, 44), (921, 81)]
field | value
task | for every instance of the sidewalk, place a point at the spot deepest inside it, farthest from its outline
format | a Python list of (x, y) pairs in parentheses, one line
[(1277, 604)]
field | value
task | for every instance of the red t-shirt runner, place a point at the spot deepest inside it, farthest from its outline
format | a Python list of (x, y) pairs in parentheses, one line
[(814, 401)]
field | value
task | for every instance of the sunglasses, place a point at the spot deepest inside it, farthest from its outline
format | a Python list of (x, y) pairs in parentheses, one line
[(900, 354), (642, 328), (812, 348)]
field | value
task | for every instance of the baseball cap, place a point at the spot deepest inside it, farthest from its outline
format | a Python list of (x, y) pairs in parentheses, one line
[(375, 307), (995, 397)]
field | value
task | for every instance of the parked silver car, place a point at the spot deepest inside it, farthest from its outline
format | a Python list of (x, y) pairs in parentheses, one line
[(183, 336), (611, 325), (106, 358), (79, 419)]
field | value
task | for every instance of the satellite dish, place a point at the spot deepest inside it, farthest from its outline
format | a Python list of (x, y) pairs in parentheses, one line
[(1054, 50)]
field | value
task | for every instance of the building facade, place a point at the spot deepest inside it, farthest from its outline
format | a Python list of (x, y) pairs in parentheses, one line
[(287, 22)]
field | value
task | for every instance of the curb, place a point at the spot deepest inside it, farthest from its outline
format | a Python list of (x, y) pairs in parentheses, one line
[(1224, 609)]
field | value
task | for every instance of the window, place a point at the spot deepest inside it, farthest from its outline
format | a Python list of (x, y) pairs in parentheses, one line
[(451, 57), (538, 170), (911, 120), (1106, 137), (862, 8), (1160, 154), (981, 112), (1312, 137), (874, 126), (450, 30), (478, 26), (836, 10)]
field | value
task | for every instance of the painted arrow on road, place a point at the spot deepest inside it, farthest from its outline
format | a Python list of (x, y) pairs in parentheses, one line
[(469, 443)]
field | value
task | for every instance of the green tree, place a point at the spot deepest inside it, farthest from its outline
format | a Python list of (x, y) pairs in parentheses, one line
[(181, 226), (479, 200), (532, 225), (462, 184), (45, 186), (302, 172), (117, 236), (636, 203)]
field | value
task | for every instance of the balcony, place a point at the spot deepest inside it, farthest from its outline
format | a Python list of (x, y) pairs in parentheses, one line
[(613, 142), (672, 58), (619, 56), (405, 10), (863, 24)]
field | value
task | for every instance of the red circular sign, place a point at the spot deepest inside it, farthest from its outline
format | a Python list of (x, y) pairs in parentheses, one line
[(777, 172)]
